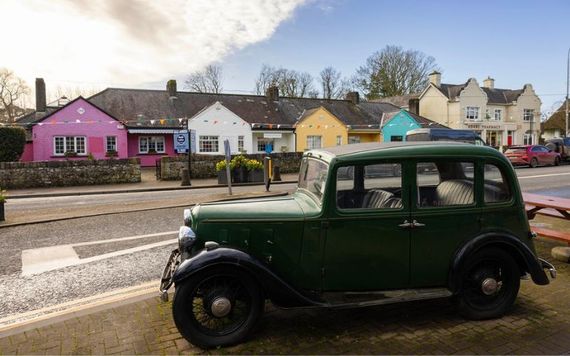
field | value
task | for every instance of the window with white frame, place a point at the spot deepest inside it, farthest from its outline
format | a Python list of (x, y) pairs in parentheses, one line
[(69, 145), (353, 139), (498, 114), (111, 144), (240, 144), (339, 140), (472, 113), (528, 138), (528, 115), (262, 145), (314, 141), (209, 144), (151, 144)]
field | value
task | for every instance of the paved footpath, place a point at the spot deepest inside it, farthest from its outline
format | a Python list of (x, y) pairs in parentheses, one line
[(539, 324)]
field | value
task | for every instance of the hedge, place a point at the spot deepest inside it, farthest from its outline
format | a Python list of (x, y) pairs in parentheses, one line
[(12, 143)]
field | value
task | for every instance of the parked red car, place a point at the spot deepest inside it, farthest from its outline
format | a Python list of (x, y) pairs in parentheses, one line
[(532, 155)]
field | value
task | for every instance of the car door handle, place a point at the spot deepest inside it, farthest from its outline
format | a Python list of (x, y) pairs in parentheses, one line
[(417, 224), (405, 224)]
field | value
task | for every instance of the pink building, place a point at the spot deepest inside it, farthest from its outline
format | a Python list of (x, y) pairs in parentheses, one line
[(77, 130)]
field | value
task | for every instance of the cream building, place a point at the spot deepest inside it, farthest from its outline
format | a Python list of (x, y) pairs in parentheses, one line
[(501, 117)]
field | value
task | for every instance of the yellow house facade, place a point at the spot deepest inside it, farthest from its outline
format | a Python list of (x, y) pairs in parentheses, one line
[(319, 128)]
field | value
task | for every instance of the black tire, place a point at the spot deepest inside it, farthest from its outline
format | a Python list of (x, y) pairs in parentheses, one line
[(533, 163), (193, 315), (490, 263), (556, 161)]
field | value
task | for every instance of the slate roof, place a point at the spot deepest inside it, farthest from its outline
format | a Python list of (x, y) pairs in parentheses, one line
[(130, 104), (495, 95), (556, 120), (401, 101)]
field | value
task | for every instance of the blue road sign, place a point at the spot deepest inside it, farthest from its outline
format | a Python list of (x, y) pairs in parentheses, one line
[(181, 142)]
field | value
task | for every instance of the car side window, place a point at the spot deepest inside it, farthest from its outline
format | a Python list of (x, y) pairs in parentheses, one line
[(496, 187), (373, 186), (442, 184)]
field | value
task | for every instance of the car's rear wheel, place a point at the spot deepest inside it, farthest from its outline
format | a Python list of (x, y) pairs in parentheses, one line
[(218, 307), (533, 163), (490, 284), (556, 161)]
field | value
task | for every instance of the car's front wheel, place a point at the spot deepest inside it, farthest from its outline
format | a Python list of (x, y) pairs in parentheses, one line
[(490, 284), (217, 307)]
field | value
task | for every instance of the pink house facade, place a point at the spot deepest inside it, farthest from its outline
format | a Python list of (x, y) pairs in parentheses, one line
[(79, 130)]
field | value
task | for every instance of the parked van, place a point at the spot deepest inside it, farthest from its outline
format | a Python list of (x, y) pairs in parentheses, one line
[(466, 136)]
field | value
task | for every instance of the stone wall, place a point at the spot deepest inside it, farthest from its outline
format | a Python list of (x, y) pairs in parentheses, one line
[(204, 166), (15, 175)]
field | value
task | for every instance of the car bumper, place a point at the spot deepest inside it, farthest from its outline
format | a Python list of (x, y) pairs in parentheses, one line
[(548, 266), (518, 161)]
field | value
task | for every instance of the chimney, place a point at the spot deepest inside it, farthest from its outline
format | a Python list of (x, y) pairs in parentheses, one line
[(414, 106), (272, 93), (40, 95), (171, 88), (353, 97), (435, 78), (489, 83)]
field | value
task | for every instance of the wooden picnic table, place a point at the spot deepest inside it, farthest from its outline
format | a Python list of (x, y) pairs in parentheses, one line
[(548, 206)]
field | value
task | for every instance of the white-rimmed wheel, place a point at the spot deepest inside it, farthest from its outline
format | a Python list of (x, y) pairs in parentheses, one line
[(490, 285), (217, 307)]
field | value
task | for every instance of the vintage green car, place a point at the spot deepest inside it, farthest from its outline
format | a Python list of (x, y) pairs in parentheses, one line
[(368, 224)]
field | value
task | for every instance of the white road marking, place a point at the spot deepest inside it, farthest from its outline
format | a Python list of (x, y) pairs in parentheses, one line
[(39, 260), (545, 175)]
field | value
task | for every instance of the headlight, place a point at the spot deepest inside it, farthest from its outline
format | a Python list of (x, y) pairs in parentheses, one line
[(188, 217), (186, 239)]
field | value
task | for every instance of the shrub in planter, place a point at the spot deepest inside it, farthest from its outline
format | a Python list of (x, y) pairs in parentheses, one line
[(111, 154), (221, 170), (255, 170), (12, 143), (70, 154), (239, 169)]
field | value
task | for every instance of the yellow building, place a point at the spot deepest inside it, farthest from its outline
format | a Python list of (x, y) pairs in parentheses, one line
[(319, 128)]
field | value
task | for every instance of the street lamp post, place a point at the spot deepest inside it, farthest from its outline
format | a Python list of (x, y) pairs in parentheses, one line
[(567, 89)]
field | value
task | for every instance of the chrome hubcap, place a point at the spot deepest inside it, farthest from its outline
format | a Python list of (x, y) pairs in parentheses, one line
[(221, 307), (490, 286)]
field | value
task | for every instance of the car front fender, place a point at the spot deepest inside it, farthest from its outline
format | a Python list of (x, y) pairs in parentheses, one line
[(522, 254), (280, 292)]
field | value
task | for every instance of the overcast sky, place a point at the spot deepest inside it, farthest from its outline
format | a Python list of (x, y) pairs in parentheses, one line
[(143, 43)]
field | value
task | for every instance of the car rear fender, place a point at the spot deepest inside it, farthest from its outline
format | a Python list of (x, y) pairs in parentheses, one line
[(523, 255), (277, 290)]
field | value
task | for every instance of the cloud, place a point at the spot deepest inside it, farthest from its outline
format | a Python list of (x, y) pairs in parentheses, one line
[(128, 42)]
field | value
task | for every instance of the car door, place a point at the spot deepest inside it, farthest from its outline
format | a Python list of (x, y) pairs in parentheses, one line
[(444, 215), (368, 236)]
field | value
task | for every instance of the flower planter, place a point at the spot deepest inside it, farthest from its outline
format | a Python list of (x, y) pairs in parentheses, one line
[(222, 177), (2, 217), (255, 175), (239, 175)]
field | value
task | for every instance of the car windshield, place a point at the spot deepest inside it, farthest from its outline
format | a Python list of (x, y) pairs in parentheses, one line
[(313, 177)]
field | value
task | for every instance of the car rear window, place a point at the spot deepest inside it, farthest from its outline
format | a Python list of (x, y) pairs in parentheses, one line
[(516, 150)]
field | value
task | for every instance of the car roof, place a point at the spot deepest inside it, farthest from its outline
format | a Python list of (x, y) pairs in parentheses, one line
[(402, 149)]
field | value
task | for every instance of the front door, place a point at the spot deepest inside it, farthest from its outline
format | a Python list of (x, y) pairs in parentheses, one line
[(367, 238), (445, 215)]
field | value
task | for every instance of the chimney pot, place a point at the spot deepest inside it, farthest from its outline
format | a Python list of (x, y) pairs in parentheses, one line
[(171, 88), (353, 97), (489, 83), (272, 93), (40, 95), (435, 78)]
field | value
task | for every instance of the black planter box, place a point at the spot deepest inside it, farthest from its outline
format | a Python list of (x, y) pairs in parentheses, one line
[(239, 175), (222, 177), (255, 175), (2, 217)]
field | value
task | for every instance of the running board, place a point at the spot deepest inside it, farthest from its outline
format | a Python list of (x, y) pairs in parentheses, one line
[(364, 299)]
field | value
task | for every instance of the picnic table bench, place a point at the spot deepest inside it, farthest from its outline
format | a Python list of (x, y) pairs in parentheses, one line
[(548, 206)]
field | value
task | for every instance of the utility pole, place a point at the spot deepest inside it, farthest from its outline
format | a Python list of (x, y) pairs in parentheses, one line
[(567, 87)]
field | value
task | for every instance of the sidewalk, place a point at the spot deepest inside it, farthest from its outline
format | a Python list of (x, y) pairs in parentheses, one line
[(539, 324), (148, 183)]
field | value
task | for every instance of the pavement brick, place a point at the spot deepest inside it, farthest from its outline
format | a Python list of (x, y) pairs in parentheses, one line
[(538, 324)]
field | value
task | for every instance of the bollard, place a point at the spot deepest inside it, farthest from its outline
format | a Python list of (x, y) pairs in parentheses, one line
[(267, 172), (185, 177), (276, 174)]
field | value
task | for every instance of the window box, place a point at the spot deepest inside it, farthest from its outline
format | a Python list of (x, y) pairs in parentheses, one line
[(222, 177), (70, 154), (111, 154)]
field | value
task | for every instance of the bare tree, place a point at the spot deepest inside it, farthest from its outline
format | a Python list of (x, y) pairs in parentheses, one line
[(333, 86), (394, 71), (12, 88), (291, 83), (207, 81), (72, 92)]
